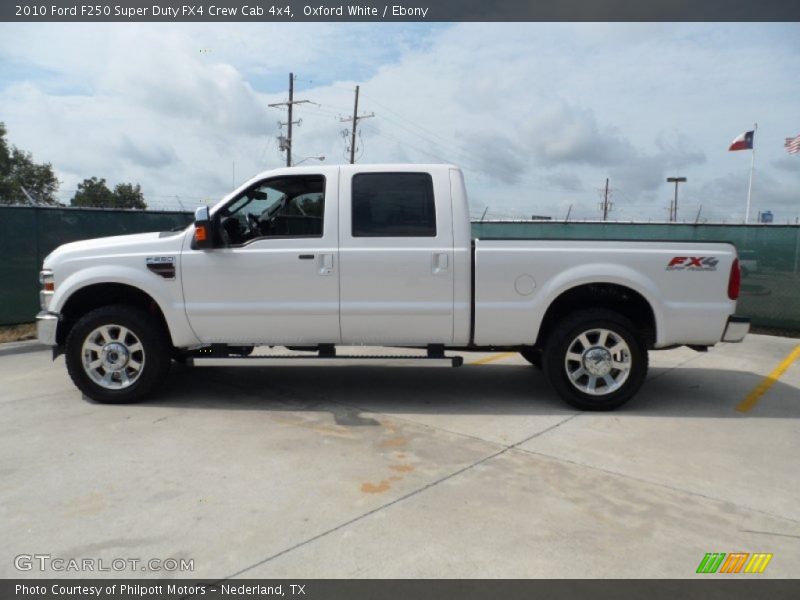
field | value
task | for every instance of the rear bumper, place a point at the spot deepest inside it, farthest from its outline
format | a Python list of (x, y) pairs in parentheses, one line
[(46, 327), (736, 328)]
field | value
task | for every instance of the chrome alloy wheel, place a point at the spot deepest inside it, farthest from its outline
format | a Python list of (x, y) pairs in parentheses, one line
[(113, 357), (598, 362)]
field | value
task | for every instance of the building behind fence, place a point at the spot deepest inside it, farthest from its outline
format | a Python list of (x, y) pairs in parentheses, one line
[(769, 253)]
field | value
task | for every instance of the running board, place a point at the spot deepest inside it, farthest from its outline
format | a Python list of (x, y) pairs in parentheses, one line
[(305, 361)]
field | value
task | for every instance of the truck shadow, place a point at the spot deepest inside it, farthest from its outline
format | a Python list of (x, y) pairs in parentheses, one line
[(350, 394)]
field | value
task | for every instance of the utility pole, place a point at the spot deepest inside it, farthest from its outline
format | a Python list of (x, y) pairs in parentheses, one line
[(673, 209), (286, 143), (355, 119), (606, 205), (289, 123)]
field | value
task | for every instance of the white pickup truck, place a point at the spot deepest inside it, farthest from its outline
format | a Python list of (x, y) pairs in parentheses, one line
[(379, 255)]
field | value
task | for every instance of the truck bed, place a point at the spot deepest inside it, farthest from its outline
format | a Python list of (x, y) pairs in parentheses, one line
[(516, 280)]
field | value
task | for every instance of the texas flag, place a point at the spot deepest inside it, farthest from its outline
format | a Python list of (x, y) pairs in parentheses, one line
[(743, 142)]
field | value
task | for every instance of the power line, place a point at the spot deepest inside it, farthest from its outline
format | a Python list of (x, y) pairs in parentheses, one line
[(402, 143), (447, 144), (428, 132), (424, 138)]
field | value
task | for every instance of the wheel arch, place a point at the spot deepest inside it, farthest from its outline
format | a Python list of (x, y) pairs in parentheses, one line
[(618, 297), (95, 295)]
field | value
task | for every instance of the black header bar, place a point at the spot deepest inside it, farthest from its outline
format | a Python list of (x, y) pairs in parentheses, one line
[(397, 10)]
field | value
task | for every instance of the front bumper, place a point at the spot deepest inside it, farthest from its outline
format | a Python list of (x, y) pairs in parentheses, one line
[(736, 329), (46, 327)]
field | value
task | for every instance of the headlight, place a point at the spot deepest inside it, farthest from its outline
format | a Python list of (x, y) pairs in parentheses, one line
[(48, 288)]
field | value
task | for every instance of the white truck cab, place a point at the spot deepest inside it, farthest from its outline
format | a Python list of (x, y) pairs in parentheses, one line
[(380, 255)]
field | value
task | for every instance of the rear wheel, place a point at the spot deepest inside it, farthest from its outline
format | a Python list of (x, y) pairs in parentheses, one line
[(117, 354), (596, 360)]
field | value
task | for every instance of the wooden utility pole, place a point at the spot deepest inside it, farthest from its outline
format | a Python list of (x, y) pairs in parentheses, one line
[(353, 133), (289, 124), (286, 143), (354, 120), (605, 202)]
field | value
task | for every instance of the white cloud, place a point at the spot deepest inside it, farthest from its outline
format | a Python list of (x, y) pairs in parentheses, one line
[(537, 114)]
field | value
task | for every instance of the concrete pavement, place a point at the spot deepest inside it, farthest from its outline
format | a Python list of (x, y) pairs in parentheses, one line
[(406, 472)]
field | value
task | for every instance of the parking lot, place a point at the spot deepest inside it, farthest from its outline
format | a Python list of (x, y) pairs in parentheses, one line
[(373, 472)]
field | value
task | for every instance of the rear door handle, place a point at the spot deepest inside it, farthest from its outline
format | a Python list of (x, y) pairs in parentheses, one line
[(439, 263), (306, 257)]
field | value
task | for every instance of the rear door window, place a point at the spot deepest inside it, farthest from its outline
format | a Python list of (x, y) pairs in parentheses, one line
[(393, 205)]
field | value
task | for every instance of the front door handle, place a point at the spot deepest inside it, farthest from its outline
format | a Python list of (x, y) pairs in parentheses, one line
[(306, 257), (325, 263)]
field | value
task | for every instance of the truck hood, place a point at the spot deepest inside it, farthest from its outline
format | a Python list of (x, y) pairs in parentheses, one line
[(118, 245)]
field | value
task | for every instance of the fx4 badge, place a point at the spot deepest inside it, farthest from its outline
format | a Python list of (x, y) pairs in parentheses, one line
[(693, 263)]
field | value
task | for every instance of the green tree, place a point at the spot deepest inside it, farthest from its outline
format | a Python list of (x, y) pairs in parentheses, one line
[(5, 155), (129, 196), (20, 174), (93, 192)]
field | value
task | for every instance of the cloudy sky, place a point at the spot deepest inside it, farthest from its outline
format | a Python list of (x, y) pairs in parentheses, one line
[(538, 115)]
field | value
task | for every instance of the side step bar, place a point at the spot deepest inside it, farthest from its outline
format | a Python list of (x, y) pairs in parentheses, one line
[(325, 361)]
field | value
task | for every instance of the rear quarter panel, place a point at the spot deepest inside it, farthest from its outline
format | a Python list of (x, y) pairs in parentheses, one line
[(517, 280)]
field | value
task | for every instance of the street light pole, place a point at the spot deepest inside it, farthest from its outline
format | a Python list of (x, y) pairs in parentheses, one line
[(673, 209)]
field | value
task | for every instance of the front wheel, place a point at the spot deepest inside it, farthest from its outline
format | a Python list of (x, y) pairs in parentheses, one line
[(117, 354), (595, 360)]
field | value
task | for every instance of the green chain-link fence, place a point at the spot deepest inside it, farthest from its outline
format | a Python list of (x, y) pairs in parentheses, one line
[(28, 234), (769, 253)]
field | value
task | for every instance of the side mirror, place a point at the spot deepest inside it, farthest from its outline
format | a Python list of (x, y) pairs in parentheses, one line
[(203, 230)]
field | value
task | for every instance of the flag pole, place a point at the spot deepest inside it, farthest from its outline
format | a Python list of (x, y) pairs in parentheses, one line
[(752, 168)]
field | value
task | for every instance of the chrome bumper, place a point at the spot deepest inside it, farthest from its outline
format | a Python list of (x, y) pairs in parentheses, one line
[(736, 329), (46, 326)]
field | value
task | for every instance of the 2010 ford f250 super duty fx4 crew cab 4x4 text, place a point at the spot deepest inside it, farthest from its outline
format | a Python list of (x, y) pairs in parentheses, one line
[(376, 255)]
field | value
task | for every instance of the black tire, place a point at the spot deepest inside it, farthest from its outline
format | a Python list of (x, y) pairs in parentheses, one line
[(154, 355), (564, 339), (533, 356)]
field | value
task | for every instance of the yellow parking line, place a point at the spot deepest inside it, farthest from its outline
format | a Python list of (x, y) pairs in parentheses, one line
[(754, 396), (492, 358)]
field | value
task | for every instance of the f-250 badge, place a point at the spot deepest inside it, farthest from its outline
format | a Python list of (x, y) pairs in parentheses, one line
[(161, 265), (693, 263)]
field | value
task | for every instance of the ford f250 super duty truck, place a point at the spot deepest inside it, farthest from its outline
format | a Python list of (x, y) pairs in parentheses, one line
[(381, 255)]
